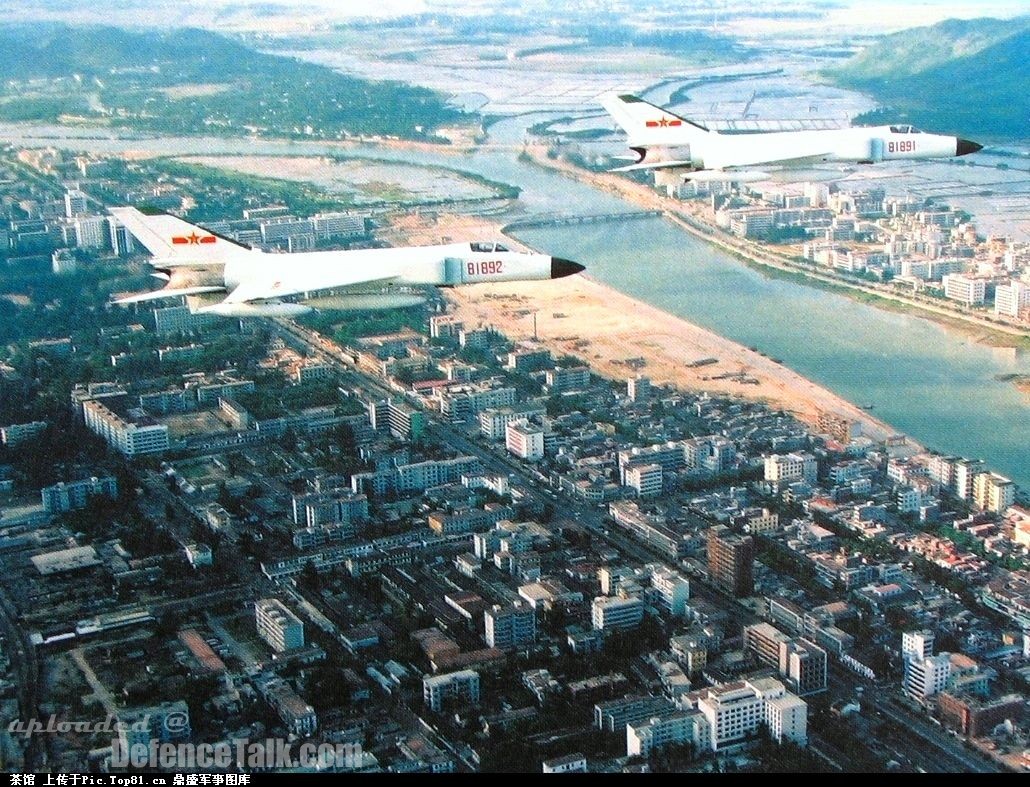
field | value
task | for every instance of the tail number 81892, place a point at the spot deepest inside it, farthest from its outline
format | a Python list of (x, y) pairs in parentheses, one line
[(484, 267)]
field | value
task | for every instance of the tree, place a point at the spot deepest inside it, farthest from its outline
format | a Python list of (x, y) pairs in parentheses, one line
[(310, 578)]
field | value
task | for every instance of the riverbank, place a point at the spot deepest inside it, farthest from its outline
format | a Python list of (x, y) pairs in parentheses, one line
[(619, 336), (692, 221)]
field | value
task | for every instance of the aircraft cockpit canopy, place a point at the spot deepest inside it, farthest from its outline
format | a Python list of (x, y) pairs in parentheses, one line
[(487, 247), (905, 130)]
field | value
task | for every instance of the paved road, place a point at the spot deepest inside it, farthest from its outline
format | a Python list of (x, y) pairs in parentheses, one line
[(22, 653), (942, 748), (100, 691)]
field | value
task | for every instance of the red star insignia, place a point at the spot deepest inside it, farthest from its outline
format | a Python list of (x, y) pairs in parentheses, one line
[(194, 238)]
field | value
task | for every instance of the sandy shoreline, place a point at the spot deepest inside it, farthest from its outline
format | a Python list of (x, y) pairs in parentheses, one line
[(606, 328)]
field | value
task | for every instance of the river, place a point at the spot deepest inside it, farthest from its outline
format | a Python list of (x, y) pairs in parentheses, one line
[(932, 383)]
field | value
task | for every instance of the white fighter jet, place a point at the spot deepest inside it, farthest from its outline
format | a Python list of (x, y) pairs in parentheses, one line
[(220, 276), (677, 149)]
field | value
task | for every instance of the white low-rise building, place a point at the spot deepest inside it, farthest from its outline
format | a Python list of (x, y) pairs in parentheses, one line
[(660, 731), (735, 711)]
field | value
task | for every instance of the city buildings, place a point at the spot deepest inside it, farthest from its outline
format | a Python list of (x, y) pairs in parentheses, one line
[(14, 435), (925, 677), (73, 495), (461, 686), (569, 763), (974, 716), (279, 627), (965, 289), (681, 727), (510, 627), (494, 423), (456, 563), (644, 479), (614, 715), (525, 440), (415, 477), (75, 204), (564, 380), (133, 434), (638, 388), (735, 711), (803, 665), (1012, 299), (731, 560), (791, 467), (139, 728), (917, 644), (404, 421), (297, 715), (992, 492), (765, 642), (608, 613), (335, 507), (672, 590)]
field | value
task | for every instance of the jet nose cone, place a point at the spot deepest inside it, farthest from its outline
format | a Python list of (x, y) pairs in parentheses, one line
[(561, 268), (964, 147)]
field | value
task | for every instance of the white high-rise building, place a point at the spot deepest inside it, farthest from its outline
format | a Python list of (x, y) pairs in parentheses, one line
[(462, 685), (786, 717), (965, 472), (614, 613), (965, 289), (525, 440), (638, 389), (791, 467), (818, 194), (512, 626), (917, 644), (926, 677), (132, 437), (75, 203), (279, 627), (1012, 299), (992, 492), (672, 589), (494, 423), (644, 479), (91, 232)]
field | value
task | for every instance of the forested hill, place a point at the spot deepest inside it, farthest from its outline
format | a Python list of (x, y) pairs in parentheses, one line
[(967, 77), (190, 81)]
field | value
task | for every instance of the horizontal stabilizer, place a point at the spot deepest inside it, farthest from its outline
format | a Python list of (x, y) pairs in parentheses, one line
[(167, 292), (647, 165)]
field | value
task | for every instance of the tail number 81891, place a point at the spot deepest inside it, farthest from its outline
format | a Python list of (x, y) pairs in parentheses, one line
[(485, 267), (902, 146)]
